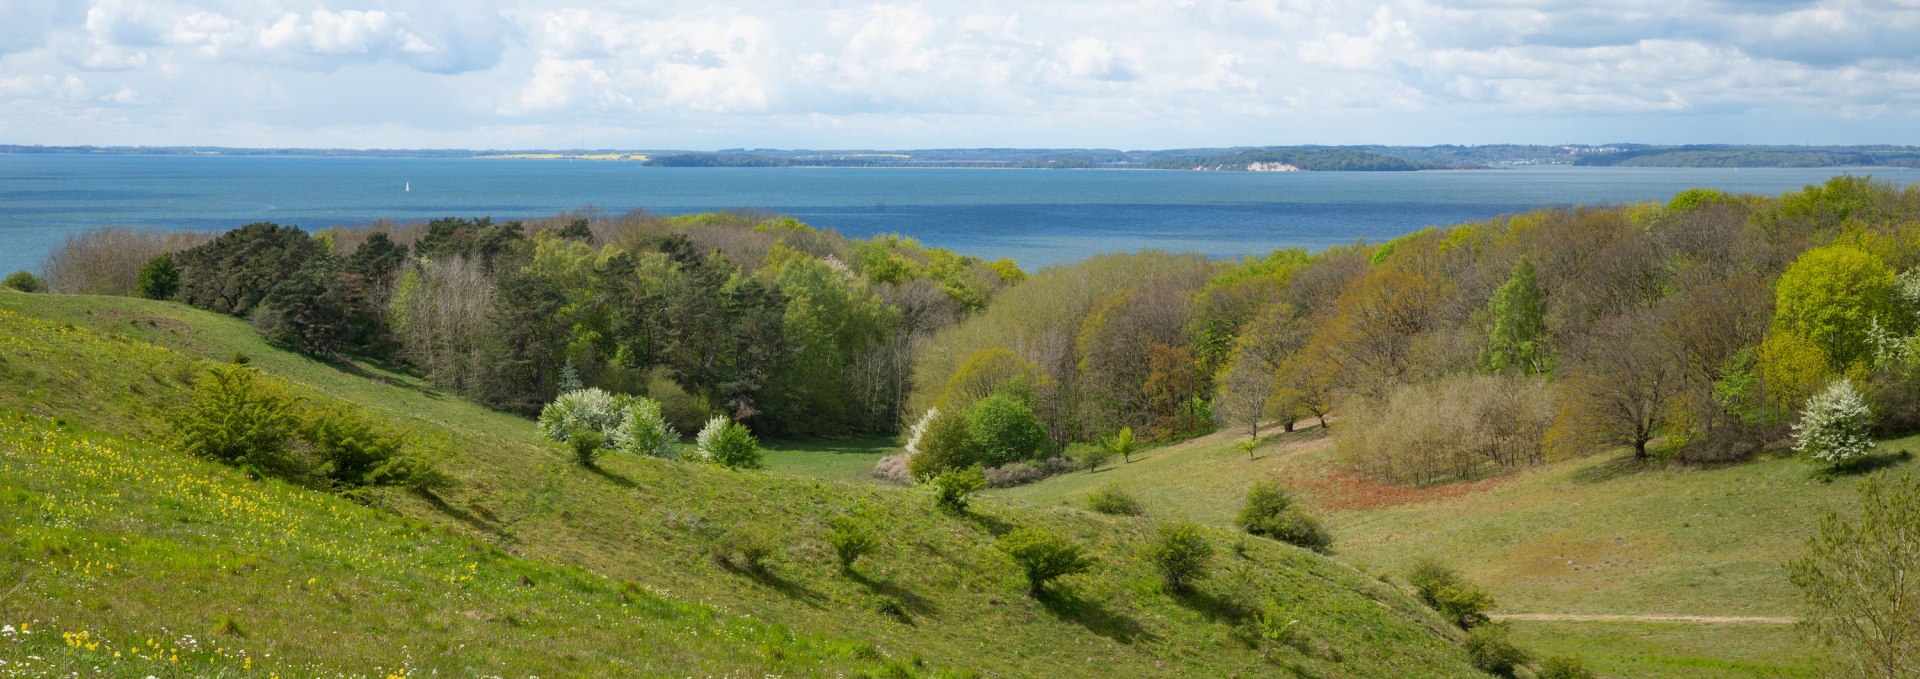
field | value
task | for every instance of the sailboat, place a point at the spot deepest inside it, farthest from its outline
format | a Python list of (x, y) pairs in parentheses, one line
[(409, 187)]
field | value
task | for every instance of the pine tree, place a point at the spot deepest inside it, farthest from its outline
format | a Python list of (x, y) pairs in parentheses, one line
[(1519, 319)]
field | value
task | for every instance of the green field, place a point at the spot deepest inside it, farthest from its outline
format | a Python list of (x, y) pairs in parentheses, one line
[(1599, 535), (569, 567)]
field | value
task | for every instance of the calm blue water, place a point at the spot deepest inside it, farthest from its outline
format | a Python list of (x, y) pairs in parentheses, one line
[(1038, 217)]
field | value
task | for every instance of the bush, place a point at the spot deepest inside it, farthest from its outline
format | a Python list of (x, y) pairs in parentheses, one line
[(1563, 667), (590, 408), (1181, 553), (951, 488), (942, 444), (1856, 580), (1833, 428), (24, 281), (1111, 500), (586, 445), (1089, 456), (851, 537), (1043, 557), (746, 548), (1004, 431), (158, 278), (1269, 512), (1022, 473), (1440, 588), (352, 450), (237, 416), (728, 444), (1489, 650), (643, 430)]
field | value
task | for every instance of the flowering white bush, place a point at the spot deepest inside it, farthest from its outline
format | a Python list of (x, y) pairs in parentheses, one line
[(918, 430), (1833, 425), (709, 436), (644, 431), (591, 408)]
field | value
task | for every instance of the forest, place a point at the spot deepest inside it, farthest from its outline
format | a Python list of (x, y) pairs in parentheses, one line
[(1697, 331)]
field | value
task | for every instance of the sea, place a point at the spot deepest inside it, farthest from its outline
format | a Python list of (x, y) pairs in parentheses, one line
[(1036, 217)]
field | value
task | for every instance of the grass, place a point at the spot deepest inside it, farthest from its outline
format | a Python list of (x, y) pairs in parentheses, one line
[(1599, 535), (850, 459), (937, 590)]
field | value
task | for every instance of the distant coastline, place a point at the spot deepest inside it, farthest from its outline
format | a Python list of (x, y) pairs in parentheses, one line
[(1305, 158)]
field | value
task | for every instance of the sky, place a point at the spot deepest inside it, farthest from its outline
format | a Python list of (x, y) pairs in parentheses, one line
[(832, 74)]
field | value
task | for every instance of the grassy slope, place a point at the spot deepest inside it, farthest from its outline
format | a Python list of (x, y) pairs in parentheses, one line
[(1597, 535), (652, 522)]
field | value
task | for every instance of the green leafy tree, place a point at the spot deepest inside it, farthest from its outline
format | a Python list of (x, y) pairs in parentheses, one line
[(591, 408), (1121, 444), (1269, 512), (1835, 426), (1004, 430), (587, 444), (24, 281), (1460, 602), (852, 536), (1858, 584), (942, 443), (1831, 296), (352, 449), (159, 278), (1181, 553), (1489, 649), (1043, 557), (1519, 320), (643, 429)]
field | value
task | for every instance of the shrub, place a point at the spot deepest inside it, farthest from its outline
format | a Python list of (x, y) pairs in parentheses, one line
[(746, 548), (1181, 553), (352, 450), (239, 417), (1563, 667), (1460, 602), (158, 278), (24, 281), (1004, 431), (951, 488), (586, 445), (1022, 473), (572, 411), (944, 444), (851, 537), (1111, 500), (1489, 650), (728, 444), (894, 468), (644, 430), (1269, 512), (1043, 557), (1833, 428), (1089, 455)]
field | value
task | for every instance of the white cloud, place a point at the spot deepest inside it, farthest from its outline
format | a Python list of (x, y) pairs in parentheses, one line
[(826, 73)]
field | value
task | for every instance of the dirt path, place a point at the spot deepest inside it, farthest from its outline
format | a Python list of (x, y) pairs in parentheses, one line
[(1696, 619)]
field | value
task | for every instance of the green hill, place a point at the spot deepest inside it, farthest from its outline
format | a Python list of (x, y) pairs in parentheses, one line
[(530, 564), (1596, 536)]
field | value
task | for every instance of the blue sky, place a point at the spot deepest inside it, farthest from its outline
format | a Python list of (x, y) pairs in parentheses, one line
[(1036, 73)]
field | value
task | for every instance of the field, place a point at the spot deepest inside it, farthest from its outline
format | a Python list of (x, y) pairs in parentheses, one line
[(84, 375), (1594, 536)]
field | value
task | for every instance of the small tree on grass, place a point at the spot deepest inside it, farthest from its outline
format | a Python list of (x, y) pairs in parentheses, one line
[(1460, 602), (1121, 444), (159, 278), (1092, 456), (586, 445), (1834, 426), (1043, 557), (1181, 553), (353, 450), (238, 416), (1248, 446), (951, 488), (1859, 584), (644, 430), (24, 281), (1269, 512), (852, 537), (728, 444), (572, 411)]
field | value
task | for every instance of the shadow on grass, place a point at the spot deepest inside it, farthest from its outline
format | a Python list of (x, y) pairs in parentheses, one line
[(765, 576), (1217, 608), (1616, 468), (992, 525), (354, 368), (461, 515), (914, 603), (610, 475), (1865, 465), (1071, 607)]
